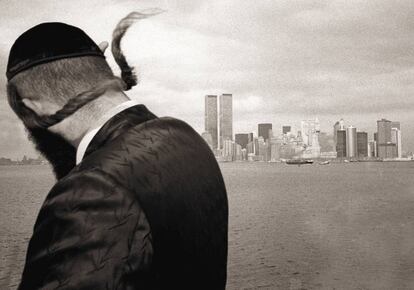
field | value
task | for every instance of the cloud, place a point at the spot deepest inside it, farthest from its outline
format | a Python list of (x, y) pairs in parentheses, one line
[(250, 104), (282, 60)]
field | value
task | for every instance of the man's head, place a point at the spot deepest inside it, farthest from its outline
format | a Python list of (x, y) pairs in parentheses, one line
[(48, 66), (54, 69)]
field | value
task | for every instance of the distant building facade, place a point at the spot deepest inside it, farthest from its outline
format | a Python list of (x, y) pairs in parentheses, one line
[(264, 153), (351, 142), (341, 144), (263, 130), (226, 118), (228, 150), (339, 125), (242, 139), (372, 149), (362, 144), (275, 150), (211, 119), (250, 148), (256, 146), (386, 148), (286, 129), (250, 136), (396, 139)]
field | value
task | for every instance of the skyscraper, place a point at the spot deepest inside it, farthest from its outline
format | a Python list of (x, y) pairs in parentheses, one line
[(341, 143), (250, 148), (386, 149), (263, 150), (372, 149), (339, 125), (256, 146), (250, 136), (376, 144), (210, 118), (362, 144), (242, 139), (399, 144), (286, 129), (274, 149), (263, 130), (226, 118), (229, 148), (351, 142), (396, 139)]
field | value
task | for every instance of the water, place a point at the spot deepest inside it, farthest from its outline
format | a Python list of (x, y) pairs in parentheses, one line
[(22, 191), (339, 226)]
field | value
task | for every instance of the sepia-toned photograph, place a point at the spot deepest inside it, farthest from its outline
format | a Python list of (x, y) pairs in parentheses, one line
[(207, 145)]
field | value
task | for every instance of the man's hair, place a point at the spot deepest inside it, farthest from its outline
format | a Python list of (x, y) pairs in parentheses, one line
[(72, 82), (57, 82)]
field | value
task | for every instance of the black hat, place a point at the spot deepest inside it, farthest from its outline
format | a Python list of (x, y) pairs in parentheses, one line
[(48, 42)]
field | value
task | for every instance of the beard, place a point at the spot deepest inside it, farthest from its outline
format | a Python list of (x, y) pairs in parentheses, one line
[(59, 152)]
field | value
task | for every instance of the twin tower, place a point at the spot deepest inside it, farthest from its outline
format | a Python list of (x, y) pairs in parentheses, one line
[(218, 119)]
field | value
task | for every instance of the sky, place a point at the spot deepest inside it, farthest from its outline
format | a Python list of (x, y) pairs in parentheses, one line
[(283, 61)]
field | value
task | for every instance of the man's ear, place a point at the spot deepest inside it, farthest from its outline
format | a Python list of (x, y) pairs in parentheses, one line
[(103, 46)]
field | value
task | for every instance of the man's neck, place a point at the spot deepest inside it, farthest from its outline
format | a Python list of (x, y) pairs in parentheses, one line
[(77, 125)]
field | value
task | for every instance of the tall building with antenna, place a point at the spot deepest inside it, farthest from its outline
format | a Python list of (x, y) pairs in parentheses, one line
[(226, 118), (211, 118)]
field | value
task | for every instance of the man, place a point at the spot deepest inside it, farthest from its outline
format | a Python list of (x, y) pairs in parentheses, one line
[(140, 202)]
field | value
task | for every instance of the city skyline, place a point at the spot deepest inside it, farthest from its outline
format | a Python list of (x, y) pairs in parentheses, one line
[(351, 143), (345, 142)]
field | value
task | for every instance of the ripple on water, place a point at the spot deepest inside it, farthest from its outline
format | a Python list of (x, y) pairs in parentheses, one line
[(342, 226)]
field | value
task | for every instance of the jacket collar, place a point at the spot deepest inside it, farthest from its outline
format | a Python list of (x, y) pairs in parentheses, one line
[(111, 125)]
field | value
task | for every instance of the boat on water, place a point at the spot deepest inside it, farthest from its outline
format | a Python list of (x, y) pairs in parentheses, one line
[(325, 162), (299, 161)]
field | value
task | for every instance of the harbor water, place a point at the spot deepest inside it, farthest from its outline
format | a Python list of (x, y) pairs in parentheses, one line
[(336, 226)]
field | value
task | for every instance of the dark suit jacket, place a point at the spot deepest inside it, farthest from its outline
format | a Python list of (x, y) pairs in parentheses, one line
[(145, 209)]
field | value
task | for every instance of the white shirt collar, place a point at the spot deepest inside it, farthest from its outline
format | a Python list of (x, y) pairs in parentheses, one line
[(84, 143)]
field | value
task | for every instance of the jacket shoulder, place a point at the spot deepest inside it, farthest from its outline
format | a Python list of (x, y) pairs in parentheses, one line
[(90, 233), (165, 137), (171, 125)]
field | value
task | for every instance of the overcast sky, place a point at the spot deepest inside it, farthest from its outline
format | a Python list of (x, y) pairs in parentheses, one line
[(283, 61)]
